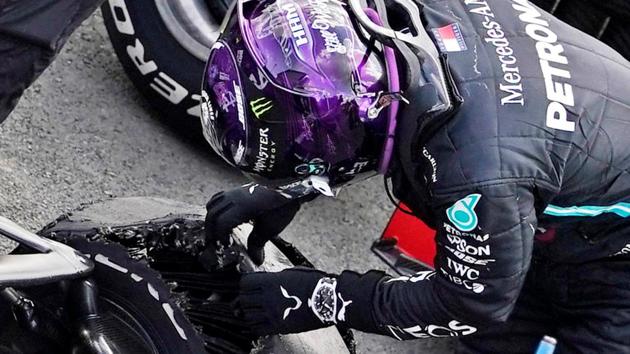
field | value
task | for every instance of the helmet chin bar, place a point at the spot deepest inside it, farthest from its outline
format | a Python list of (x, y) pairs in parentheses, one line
[(421, 43), (394, 104)]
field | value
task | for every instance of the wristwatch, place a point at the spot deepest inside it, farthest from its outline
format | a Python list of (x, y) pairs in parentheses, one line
[(323, 302)]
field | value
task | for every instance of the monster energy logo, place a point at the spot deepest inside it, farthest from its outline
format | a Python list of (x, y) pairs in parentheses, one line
[(261, 106)]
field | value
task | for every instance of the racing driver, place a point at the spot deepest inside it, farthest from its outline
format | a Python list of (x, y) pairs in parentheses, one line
[(501, 127)]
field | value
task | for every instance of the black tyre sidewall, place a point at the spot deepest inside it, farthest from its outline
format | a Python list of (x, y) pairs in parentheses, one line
[(134, 297), (142, 25), (120, 214)]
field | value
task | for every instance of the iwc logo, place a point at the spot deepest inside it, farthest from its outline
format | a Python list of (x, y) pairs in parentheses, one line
[(462, 213)]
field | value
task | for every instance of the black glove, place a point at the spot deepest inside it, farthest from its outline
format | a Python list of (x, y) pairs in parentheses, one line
[(217, 309), (301, 299), (270, 211)]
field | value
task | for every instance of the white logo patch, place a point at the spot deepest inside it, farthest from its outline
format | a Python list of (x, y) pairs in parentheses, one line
[(298, 303), (462, 213), (341, 316)]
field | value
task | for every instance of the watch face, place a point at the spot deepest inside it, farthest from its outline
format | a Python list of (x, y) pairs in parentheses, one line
[(323, 301)]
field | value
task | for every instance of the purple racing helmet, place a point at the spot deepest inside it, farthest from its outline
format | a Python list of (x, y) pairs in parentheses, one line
[(293, 89)]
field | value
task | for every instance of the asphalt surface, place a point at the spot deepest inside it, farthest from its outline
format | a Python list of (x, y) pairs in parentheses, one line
[(83, 133)]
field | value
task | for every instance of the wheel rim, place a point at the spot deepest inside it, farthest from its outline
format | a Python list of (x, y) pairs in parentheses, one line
[(118, 312), (125, 318), (191, 24)]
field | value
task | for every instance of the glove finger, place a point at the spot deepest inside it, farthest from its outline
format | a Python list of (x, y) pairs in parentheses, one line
[(267, 227), (256, 246), (217, 198), (218, 225), (248, 307), (255, 317), (218, 211), (249, 292), (257, 255)]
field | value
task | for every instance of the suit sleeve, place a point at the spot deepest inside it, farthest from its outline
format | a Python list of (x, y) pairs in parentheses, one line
[(485, 240), (32, 32)]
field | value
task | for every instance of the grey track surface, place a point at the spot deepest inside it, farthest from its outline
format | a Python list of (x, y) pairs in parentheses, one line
[(83, 133)]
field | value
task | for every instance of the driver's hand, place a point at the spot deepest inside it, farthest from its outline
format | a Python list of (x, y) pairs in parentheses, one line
[(269, 210), (263, 303)]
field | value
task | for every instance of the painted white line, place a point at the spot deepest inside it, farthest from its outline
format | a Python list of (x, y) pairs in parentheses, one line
[(153, 292), (105, 261), (171, 314)]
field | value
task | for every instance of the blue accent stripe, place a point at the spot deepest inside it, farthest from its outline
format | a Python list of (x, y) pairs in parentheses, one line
[(621, 209)]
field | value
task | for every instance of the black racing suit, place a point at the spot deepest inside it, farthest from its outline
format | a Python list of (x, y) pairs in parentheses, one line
[(32, 32), (525, 178), (529, 178)]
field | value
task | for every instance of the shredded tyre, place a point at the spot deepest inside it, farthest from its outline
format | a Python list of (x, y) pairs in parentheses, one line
[(169, 235), (138, 310)]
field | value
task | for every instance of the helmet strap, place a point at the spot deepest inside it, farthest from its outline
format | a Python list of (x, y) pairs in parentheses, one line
[(393, 104)]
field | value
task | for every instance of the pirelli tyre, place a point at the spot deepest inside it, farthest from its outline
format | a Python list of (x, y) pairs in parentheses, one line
[(163, 46), (138, 311), (163, 236), (607, 20)]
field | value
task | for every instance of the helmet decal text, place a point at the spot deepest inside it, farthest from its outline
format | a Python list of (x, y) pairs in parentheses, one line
[(266, 159)]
